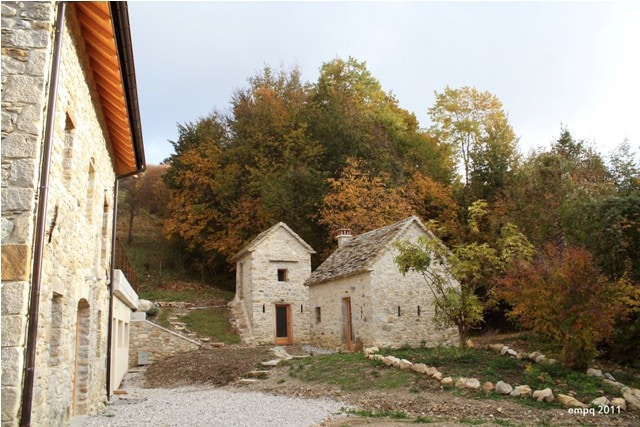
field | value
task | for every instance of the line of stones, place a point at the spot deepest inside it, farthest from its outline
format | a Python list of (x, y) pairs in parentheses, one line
[(630, 399)]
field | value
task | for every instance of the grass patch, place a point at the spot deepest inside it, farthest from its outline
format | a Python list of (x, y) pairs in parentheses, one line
[(349, 371), (211, 322)]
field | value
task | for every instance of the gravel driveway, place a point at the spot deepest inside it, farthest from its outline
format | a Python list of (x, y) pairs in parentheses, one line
[(208, 406)]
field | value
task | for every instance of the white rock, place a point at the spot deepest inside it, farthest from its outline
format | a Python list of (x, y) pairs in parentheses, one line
[(461, 382), (632, 397), (570, 401), (619, 402), (503, 388), (496, 347), (521, 390), (504, 350), (405, 364), (544, 394), (591, 372), (144, 305), (532, 356), (371, 350), (488, 387), (472, 383), (448, 381), (437, 375), (420, 368), (600, 401), (608, 376), (541, 359), (511, 352)]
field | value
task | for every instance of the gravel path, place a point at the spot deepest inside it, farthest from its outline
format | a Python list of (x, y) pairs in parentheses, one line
[(207, 406)]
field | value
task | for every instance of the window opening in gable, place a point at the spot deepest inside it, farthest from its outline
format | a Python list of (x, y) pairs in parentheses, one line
[(283, 275)]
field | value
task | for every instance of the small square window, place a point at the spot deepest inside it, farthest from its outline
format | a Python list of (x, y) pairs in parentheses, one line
[(283, 275), (318, 315)]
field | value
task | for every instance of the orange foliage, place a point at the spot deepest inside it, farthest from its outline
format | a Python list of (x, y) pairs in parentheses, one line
[(361, 202)]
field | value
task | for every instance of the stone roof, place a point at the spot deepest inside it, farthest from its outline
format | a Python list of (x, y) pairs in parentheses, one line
[(265, 234), (358, 254)]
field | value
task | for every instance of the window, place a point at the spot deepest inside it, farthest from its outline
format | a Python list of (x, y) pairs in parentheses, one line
[(283, 275), (318, 315), (67, 161)]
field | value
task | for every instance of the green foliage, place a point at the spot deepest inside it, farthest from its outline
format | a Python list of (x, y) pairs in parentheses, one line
[(455, 277)]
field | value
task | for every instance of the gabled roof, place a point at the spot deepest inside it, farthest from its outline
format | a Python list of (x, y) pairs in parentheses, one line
[(266, 234), (358, 254)]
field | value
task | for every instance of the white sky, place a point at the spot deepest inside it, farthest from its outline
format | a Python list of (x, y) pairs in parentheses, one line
[(550, 63)]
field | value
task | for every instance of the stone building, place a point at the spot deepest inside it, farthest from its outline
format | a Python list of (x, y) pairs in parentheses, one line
[(70, 130), (359, 297), (271, 301)]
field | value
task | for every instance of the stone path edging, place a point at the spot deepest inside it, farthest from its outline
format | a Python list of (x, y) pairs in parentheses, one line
[(630, 396)]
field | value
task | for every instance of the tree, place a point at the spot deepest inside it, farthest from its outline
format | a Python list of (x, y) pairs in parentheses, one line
[(563, 297), (475, 126), (361, 202), (145, 192), (458, 278)]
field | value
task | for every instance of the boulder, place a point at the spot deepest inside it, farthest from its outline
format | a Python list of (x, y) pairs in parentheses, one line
[(591, 372), (497, 348), (503, 388), (144, 305), (470, 344), (608, 376), (600, 401), (437, 375), (488, 387), (511, 352), (461, 382), (551, 361), (420, 368), (472, 384), (371, 350), (521, 390), (541, 359), (446, 381), (504, 350), (570, 401), (544, 395), (431, 370), (619, 402), (632, 397), (405, 364), (532, 356)]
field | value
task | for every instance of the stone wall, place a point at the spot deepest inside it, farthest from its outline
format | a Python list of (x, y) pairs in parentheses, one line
[(402, 305), (26, 50), (74, 292), (159, 342), (388, 309), (327, 298), (280, 251)]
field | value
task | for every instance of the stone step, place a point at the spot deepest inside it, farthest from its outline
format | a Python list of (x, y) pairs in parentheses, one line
[(270, 363), (247, 381)]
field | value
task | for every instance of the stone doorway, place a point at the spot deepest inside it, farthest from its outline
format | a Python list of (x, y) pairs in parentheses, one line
[(283, 324)]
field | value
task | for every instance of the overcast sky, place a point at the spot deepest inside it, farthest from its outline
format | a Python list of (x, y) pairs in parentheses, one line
[(575, 64)]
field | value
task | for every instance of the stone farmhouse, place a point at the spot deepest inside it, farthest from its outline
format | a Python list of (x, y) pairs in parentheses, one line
[(357, 297), (70, 131), (271, 304)]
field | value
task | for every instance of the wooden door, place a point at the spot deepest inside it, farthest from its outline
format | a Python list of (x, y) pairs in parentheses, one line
[(283, 324), (347, 324)]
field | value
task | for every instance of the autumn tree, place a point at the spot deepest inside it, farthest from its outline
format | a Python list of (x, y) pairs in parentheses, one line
[(360, 201), (563, 297), (461, 279), (145, 192), (474, 125)]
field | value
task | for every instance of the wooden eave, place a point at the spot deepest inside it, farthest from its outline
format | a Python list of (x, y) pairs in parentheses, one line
[(96, 24)]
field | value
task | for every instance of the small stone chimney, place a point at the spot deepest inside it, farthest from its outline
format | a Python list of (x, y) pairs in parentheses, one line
[(343, 236)]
